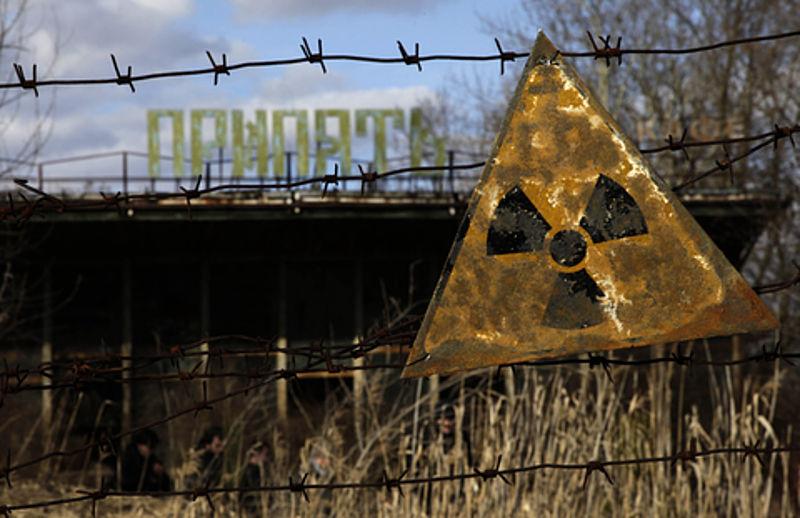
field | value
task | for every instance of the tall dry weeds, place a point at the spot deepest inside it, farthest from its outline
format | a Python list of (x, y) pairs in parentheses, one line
[(529, 416)]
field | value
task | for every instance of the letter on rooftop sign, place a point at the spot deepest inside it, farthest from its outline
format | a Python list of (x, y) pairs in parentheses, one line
[(154, 141), (379, 121), (571, 244), (243, 147)]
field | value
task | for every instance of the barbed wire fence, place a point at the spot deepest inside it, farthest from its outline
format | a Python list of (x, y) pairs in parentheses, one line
[(85, 372)]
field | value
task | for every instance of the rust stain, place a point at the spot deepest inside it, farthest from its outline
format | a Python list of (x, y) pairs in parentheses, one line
[(571, 245)]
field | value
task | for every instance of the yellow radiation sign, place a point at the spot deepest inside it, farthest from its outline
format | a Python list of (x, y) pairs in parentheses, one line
[(571, 244)]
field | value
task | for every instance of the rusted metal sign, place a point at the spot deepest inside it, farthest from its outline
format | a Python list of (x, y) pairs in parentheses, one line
[(571, 244)]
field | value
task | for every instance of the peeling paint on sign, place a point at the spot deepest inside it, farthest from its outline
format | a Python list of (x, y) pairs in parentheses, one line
[(571, 244)]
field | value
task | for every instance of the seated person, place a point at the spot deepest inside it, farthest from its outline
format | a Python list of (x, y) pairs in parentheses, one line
[(141, 469)]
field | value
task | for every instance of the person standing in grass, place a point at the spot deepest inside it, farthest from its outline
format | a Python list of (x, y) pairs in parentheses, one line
[(206, 459), (253, 476)]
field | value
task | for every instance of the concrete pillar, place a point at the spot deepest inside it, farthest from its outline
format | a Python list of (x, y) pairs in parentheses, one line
[(126, 349), (281, 388), (47, 353)]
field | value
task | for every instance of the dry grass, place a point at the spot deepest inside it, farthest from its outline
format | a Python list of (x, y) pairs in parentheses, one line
[(530, 416)]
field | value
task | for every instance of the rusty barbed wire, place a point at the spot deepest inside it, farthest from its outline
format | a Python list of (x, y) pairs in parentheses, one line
[(496, 472), (605, 52), (23, 210), (205, 403), (83, 374)]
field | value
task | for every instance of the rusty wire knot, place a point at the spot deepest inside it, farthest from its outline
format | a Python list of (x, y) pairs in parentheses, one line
[(504, 56), (176, 351), (494, 472), (752, 450), (204, 492), (126, 79), (313, 57), (600, 360), (22, 182), (678, 145), (782, 132), (299, 486), (5, 511), (684, 360), (726, 164), (19, 377), (596, 465), (190, 194), (393, 483), (189, 375), (685, 456), (607, 52), (367, 177), (775, 354), (25, 83), (330, 179), (115, 200), (94, 496), (219, 68), (410, 59)]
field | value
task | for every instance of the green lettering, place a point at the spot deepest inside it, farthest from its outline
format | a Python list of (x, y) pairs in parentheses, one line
[(330, 146), (279, 142), (202, 150), (154, 141), (379, 117), (422, 136), (256, 141)]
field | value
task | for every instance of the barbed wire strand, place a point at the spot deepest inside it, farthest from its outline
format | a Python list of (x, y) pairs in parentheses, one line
[(23, 210), (496, 472), (316, 56)]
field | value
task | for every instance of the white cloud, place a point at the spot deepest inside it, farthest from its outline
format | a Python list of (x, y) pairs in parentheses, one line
[(247, 9)]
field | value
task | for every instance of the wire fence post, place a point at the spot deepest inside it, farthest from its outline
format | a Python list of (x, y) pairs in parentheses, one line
[(208, 175)]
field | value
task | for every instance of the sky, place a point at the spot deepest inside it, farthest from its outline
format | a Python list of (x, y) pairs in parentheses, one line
[(74, 39)]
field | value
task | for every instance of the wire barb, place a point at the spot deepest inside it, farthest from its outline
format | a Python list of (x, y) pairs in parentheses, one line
[(94, 496), (607, 52), (597, 359), (493, 472), (314, 57), (410, 59), (679, 145), (596, 465), (752, 450), (503, 56), (393, 483), (686, 456), (330, 179), (221, 68), (299, 486), (126, 79), (24, 83)]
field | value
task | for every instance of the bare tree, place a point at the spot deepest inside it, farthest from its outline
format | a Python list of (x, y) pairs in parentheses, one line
[(16, 29), (18, 154)]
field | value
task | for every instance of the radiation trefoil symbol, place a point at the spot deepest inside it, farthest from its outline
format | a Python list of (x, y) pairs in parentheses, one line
[(517, 226)]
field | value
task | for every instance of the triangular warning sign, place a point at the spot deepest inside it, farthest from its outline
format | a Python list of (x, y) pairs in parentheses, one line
[(571, 244)]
